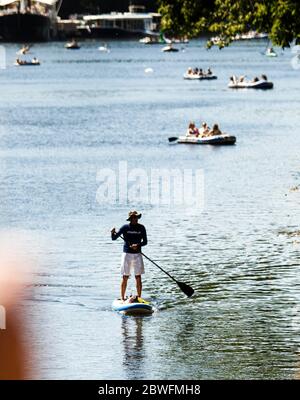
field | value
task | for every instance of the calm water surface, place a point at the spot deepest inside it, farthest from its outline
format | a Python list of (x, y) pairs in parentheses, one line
[(83, 111)]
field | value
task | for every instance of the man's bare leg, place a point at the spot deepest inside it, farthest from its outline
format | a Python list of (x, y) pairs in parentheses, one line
[(124, 286), (139, 285)]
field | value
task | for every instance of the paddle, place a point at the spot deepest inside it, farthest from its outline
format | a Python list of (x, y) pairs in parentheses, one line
[(173, 139), (186, 289)]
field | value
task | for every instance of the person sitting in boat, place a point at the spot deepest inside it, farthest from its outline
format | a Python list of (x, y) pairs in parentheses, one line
[(190, 71), (201, 72), (20, 62), (204, 130), (215, 131), (196, 71), (264, 77), (256, 79), (192, 130), (209, 71), (234, 79), (35, 60)]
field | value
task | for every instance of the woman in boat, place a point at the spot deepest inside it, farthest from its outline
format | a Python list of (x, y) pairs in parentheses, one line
[(215, 131), (192, 130)]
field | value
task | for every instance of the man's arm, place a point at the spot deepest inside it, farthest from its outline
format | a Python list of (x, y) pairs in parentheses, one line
[(115, 235)]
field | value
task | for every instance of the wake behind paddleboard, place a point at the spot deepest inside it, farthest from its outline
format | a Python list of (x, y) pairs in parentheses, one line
[(141, 307)]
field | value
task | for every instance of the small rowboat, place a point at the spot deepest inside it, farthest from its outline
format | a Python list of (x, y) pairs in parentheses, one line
[(194, 77), (271, 53), (169, 48), (141, 307), (219, 140), (104, 49), (27, 64), (72, 46), (251, 85)]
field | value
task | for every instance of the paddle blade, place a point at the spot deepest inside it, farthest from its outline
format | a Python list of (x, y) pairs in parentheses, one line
[(173, 139), (189, 291)]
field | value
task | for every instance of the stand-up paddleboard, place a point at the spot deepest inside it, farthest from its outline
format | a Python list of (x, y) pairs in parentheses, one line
[(141, 307)]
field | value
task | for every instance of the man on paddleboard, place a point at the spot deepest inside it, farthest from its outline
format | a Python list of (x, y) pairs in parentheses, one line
[(135, 236)]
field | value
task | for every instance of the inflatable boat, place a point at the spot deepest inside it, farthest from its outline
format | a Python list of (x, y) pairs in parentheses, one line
[(27, 63), (212, 140), (141, 307), (194, 77), (261, 84)]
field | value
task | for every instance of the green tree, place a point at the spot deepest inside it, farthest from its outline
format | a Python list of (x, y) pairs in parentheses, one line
[(226, 18), (185, 17)]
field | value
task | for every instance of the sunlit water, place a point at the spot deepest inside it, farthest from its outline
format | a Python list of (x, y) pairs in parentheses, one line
[(85, 110)]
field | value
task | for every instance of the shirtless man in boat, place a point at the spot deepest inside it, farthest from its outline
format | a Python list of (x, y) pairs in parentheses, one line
[(135, 236), (204, 130)]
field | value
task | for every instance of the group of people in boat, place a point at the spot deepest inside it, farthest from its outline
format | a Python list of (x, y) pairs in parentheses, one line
[(242, 79), (34, 61), (199, 72), (204, 131)]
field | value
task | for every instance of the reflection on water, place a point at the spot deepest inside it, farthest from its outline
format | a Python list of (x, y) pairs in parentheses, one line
[(134, 350)]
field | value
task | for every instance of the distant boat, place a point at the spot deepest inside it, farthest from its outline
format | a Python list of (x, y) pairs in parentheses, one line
[(155, 39), (251, 35), (196, 74), (219, 140), (28, 20), (73, 45), (135, 23), (169, 48), (104, 48), (271, 53), (256, 83), (184, 40), (23, 63)]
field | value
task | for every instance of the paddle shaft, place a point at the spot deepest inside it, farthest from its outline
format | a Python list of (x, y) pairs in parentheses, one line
[(153, 262), (186, 289), (167, 273)]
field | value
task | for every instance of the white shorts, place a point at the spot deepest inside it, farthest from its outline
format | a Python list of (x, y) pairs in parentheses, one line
[(132, 261)]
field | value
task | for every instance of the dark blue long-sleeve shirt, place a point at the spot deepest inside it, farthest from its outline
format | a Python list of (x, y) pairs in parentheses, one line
[(133, 234)]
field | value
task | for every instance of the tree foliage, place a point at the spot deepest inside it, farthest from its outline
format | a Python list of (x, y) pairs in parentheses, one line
[(186, 17), (226, 18)]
